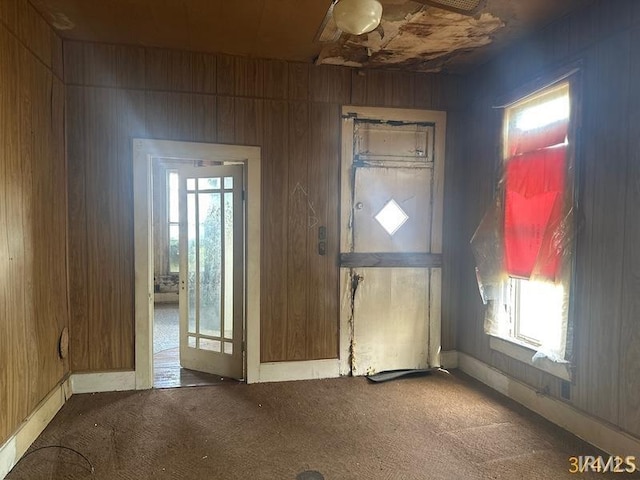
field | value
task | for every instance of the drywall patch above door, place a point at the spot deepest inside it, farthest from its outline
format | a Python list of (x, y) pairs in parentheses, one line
[(421, 41)]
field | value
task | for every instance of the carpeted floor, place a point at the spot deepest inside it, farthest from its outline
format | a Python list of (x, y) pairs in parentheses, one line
[(433, 427), (166, 326)]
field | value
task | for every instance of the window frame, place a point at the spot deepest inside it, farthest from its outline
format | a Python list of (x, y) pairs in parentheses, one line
[(514, 345)]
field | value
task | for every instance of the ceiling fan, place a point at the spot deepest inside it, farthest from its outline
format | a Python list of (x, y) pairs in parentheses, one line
[(357, 17)]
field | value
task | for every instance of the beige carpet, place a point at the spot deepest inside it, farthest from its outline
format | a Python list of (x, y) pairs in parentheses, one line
[(433, 427)]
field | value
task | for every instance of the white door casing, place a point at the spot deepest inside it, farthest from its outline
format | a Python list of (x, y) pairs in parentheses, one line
[(144, 151)]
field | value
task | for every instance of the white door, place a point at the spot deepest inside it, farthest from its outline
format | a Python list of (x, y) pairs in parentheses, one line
[(391, 251), (211, 269)]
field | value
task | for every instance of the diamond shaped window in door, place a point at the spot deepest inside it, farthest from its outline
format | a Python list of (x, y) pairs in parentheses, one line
[(391, 217)]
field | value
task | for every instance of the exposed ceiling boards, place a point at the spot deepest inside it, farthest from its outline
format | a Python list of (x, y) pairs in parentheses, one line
[(412, 35), (416, 41)]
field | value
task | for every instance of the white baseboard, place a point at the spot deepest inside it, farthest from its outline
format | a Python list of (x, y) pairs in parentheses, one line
[(305, 370), (103, 382), (13, 449), (600, 434), (449, 359)]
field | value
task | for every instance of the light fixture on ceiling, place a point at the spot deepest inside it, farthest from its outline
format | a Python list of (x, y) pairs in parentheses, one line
[(357, 16)]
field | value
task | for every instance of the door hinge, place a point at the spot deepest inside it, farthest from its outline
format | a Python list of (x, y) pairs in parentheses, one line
[(243, 347), (243, 195)]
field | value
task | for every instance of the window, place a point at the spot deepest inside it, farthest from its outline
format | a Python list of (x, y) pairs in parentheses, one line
[(524, 244), (173, 220), (536, 184)]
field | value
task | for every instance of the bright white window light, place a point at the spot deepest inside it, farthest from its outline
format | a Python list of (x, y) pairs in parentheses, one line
[(544, 114), (391, 217), (540, 310)]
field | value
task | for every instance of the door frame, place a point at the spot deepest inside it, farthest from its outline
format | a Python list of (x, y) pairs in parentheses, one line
[(144, 150), (439, 119)]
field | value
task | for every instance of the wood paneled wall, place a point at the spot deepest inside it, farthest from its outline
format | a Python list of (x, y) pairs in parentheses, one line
[(606, 38), (291, 110), (33, 274)]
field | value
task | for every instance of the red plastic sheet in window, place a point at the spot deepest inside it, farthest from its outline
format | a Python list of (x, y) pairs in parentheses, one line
[(534, 195)]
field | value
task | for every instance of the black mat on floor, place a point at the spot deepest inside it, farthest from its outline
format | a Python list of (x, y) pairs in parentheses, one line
[(395, 374)]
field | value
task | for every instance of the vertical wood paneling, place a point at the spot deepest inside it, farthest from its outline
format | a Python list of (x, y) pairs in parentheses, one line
[(169, 116), (301, 217), (603, 318), (629, 382), (130, 107), (33, 277), (423, 85), (330, 84), (276, 79), (358, 87), (204, 73), (249, 122), (57, 62), (205, 127), (248, 75), (78, 261), (225, 75), (274, 230), (130, 66), (383, 88), (34, 32), (226, 120), (12, 212), (104, 321), (168, 70), (452, 239), (322, 310), (9, 14), (101, 66), (74, 62), (298, 81)]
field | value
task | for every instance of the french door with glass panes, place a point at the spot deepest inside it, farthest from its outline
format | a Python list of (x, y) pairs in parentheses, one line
[(211, 269)]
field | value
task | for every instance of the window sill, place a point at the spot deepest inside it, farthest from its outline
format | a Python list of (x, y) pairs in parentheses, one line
[(525, 354)]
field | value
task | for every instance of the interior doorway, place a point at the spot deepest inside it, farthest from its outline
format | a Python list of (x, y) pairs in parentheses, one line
[(197, 262)]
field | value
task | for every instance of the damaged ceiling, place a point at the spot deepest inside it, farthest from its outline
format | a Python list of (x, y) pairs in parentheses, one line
[(422, 38), (412, 35)]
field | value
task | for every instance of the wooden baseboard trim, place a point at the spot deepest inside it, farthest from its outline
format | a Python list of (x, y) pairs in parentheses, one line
[(16, 446), (305, 370), (598, 433), (103, 382), (449, 359)]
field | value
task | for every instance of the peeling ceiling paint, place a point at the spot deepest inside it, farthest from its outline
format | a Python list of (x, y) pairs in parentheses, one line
[(423, 40)]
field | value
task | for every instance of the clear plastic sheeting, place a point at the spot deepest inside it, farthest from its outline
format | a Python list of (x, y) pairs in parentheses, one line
[(487, 245), (523, 246), (497, 286)]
